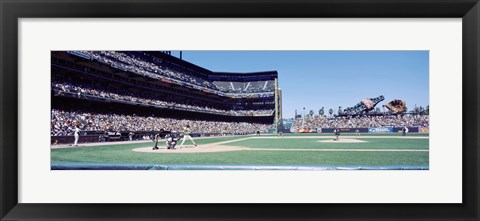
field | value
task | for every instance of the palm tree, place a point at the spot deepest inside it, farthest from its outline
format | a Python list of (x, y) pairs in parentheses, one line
[(330, 111), (311, 113)]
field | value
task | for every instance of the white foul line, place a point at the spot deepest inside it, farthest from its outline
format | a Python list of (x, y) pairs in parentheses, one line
[(342, 150)]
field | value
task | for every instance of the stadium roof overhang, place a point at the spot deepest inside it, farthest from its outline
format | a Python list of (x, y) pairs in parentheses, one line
[(217, 76), (251, 76)]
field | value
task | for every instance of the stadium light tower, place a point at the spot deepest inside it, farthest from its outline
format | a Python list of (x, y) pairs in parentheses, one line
[(303, 119)]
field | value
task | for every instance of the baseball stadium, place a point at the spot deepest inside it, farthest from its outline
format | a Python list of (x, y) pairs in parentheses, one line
[(152, 110)]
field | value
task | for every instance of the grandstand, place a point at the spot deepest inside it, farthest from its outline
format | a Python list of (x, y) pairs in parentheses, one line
[(363, 118), (142, 84)]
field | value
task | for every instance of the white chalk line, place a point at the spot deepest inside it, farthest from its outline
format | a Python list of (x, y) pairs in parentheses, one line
[(329, 137), (340, 150)]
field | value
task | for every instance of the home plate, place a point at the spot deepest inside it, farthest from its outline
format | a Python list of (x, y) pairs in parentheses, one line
[(342, 140)]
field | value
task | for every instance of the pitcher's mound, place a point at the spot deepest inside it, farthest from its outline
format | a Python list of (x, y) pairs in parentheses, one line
[(341, 140), (190, 149)]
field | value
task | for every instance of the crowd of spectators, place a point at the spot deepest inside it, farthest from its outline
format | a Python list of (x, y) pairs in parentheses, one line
[(317, 121), (158, 70), (63, 124), (80, 89)]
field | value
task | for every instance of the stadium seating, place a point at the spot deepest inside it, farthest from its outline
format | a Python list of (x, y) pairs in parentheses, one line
[(86, 91), (136, 64), (145, 91), (63, 124), (365, 121)]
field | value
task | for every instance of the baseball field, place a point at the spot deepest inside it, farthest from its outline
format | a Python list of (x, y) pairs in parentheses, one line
[(289, 149)]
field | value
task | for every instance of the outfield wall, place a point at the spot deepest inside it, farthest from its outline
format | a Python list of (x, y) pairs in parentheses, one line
[(344, 130), (374, 130), (123, 137)]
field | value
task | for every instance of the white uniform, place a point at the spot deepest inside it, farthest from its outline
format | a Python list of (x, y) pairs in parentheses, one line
[(76, 135), (186, 134)]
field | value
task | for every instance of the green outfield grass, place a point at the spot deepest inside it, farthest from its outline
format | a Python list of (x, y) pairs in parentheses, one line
[(264, 150), (312, 143)]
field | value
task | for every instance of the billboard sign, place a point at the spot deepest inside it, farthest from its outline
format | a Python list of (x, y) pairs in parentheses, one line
[(380, 130)]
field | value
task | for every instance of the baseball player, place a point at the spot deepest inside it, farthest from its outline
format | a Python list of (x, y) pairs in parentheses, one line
[(130, 135), (186, 134), (76, 135), (156, 138), (171, 140), (404, 131), (337, 133)]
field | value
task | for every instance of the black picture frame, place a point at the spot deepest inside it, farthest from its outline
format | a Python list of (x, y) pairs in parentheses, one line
[(11, 10)]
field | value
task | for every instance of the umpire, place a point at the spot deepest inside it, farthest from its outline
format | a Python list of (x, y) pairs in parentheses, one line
[(156, 138)]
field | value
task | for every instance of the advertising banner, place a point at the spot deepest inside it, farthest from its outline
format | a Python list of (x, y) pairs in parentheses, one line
[(306, 130), (374, 130), (344, 130), (380, 130), (423, 130), (410, 129)]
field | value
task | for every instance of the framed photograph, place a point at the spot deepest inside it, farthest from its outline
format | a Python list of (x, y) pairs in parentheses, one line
[(227, 110)]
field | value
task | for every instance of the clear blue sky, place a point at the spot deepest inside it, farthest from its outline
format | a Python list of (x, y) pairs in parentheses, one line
[(315, 79)]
